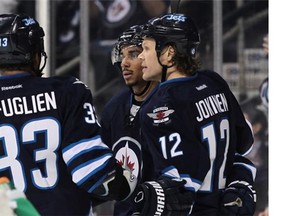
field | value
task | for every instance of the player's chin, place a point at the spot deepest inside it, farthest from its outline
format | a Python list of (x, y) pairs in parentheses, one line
[(146, 77), (129, 82), (144, 69)]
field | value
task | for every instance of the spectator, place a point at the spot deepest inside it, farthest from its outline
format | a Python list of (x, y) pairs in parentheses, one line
[(68, 30), (259, 153), (264, 87)]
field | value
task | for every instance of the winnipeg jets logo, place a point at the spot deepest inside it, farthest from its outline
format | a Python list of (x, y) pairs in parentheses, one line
[(128, 154), (125, 161), (118, 10), (28, 21), (161, 115), (178, 18)]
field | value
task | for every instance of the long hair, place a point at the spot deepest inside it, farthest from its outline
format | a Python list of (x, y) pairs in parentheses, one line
[(186, 64)]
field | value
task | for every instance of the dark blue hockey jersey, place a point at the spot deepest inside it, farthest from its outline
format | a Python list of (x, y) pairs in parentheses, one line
[(193, 127), (50, 145), (120, 131)]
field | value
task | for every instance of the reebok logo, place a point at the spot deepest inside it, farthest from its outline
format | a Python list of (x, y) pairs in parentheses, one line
[(6, 88)]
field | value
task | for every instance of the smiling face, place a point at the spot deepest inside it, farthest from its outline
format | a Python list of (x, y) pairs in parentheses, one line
[(152, 70), (131, 66)]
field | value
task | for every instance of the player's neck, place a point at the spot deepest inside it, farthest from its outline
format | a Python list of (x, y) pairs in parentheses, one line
[(143, 96), (173, 74), (12, 72)]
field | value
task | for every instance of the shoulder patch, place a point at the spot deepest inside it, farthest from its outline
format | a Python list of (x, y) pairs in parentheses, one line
[(161, 115)]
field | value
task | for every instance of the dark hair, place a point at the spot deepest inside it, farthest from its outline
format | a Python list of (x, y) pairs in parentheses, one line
[(186, 64)]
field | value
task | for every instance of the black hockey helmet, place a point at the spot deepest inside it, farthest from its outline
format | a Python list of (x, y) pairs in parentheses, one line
[(128, 38), (20, 38), (174, 28)]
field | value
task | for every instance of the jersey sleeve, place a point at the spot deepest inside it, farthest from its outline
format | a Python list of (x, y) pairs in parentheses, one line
[(88, 159), (243, 170)]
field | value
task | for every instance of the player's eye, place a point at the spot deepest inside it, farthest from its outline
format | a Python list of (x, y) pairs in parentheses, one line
[(133, 54), (130, 55)]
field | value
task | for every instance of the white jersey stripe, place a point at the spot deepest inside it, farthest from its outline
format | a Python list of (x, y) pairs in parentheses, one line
[(89, 169), (76, 148)]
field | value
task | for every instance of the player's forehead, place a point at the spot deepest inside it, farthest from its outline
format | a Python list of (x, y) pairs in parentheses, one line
[(148, 42), (130, 48)]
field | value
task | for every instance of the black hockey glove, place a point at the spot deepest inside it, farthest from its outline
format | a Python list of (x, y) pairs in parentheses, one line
[(163, 197), (239, 198), (119, 185)]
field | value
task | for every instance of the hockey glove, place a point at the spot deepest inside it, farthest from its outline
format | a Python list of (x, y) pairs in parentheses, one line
[(119, 185), (239, 198), (163, 197)]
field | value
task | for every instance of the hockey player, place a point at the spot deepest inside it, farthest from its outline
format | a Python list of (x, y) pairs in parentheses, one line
[(120, 125), (119, 119), (50, 143), (49, 136), (192, 124)]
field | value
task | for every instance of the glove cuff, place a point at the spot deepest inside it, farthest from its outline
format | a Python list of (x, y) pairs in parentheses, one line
[(245, 185), (153, 192)]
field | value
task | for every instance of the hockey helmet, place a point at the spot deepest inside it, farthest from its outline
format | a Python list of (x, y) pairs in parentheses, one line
[(20, 38), (130, 37), (174, 28)]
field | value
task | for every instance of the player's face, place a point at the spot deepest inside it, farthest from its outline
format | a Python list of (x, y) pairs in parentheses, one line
[(131, 65), (151, 68)]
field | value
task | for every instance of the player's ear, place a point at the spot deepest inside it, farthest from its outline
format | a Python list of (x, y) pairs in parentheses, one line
[(171, 51), (171, 54), (168, 54)]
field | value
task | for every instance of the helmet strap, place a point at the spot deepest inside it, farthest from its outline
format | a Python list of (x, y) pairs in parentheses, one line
[(43, 54), (143, 91), (164, 67), (39, 70), (164, 73)]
